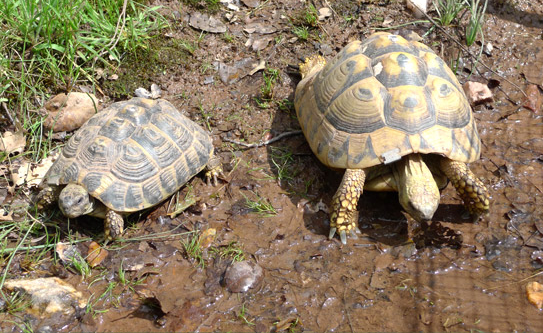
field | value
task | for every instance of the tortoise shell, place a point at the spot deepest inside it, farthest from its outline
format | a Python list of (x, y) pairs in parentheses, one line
[(133, 154), (385, 97)]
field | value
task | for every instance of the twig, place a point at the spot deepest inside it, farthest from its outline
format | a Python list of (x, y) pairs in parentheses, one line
[(15, 122), (263, 143), (118, 30), (471, 54)]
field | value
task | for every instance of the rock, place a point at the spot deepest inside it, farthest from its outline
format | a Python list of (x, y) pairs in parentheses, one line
[(68, 112), (534, 292), (49, 295), (242, 276), (477, 93), (207, 23), (418, 7)]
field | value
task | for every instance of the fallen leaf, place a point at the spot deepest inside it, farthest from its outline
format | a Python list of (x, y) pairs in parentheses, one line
[(66, 252), (261, 66), (533, 98), (207, 23), (12, 143), (259, 28), (96, 254), (5, 215), (534, 292), (251, 3), (207, 237), (324, 13), (31, 174)]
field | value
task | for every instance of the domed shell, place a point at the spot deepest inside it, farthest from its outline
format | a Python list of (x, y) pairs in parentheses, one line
[(133, 154), (382, 99)]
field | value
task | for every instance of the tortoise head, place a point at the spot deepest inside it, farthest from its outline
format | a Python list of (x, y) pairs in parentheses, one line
[(74, 201), (417, 189), (311, 64)]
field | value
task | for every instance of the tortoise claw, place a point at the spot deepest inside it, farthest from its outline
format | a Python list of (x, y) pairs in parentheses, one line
[(343, 237), (332, 233)]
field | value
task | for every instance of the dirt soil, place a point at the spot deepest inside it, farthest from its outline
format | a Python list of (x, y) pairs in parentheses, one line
[(457, 276)]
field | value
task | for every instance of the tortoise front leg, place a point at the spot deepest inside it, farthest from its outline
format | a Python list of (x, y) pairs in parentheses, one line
[(472, 190), (113, 225), (343, 214)]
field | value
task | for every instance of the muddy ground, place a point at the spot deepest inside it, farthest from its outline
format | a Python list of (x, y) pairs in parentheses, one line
[(460, 276)]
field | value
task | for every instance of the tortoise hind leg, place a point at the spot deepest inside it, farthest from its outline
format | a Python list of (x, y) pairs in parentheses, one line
[(113, 225), (470, 188), (343, 214)]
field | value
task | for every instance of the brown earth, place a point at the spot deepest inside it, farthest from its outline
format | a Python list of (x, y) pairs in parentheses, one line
[(462, 276)]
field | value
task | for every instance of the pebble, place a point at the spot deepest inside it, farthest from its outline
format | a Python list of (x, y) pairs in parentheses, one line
[(242, 276)]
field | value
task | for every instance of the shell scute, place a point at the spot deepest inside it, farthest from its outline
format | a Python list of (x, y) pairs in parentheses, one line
[(381, 95)]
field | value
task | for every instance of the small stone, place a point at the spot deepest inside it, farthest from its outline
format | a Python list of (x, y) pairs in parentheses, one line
[(49, 295), (68, 112), (534, 292), (242, 276), (209, 79), (477, 93), (418, 7)]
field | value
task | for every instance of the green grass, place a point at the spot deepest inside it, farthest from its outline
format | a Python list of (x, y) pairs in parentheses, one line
[(52, 45), (476, 21), (448, 10), (193, 248), (243, 315), (261, 206), (301, 32), (270, 77), (231, 251)]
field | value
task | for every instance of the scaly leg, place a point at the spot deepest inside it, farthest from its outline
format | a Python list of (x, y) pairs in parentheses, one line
[(472, 190), (343, 214), (113, 225)]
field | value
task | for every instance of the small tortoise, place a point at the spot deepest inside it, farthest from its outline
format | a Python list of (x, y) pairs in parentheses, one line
[(393, 115), (126, 158)]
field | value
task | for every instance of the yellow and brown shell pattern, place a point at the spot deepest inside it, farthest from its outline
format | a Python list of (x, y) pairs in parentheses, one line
[(385, 95), (134, 154)]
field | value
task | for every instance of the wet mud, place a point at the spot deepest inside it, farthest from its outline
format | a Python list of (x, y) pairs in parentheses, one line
[(456, 276)]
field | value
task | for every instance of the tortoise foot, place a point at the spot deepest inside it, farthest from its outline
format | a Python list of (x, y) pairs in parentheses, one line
[(113, 225), (344, 215), (471, 189), (214, 170)]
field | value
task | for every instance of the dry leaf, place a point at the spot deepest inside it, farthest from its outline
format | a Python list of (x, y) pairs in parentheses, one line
[(534, 292), (5, 215), (96, 254), (12, 142), (207, 237), (533, 98), (30, 173)]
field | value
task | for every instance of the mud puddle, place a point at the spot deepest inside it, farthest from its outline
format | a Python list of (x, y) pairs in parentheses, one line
[(460, 276)]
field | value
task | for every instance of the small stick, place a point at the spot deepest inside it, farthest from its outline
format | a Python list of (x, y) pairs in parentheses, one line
[(471, 54), (263, 143)]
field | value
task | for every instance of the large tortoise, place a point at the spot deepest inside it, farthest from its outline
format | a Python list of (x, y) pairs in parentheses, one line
[(126, 158), (393, 115)]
